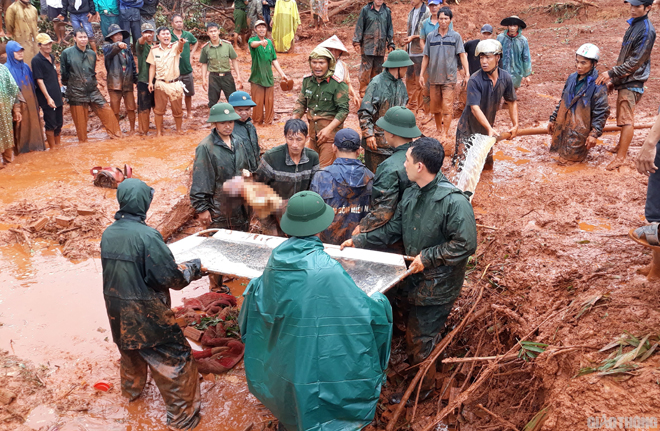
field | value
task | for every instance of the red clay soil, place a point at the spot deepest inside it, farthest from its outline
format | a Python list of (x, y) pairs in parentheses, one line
[(553, 256)]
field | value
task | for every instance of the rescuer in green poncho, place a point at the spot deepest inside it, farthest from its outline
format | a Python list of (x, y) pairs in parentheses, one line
[(316, 346)]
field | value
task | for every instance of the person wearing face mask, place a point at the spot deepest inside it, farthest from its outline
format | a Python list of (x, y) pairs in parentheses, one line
[(581, 114), (324, 98), (218, 158), (485, 90), (386, 90)]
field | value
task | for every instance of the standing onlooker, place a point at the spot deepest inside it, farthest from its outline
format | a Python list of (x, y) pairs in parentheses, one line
[(629, 75), (129, 11), (49, 94), (515, 51), (384, 92), (471, 47), (429, 24), (241, 27), (27, 133), (163, 62), (78, 69), (254, 13), (54, 11), (261, 79), (145, 102), (324, 98), (244, 129), (337, 48), (10, 112), (109, 13), (441, 53), (185, 68), (218, 58), (266, 6), (147, 12), (319, 10), (346, 186), (21, 21), (80, 11), (372, 39), (417, 15), (121, 73), (285, 24)]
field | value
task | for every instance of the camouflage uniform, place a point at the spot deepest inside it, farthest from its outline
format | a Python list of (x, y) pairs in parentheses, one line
[(374, 34)]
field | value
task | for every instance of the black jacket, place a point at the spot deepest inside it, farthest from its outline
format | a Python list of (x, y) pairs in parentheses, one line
[(148, 9), (69, 6), (118, 77), (634, 63)]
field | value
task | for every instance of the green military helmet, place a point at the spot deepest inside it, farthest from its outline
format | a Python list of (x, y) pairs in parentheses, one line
[(222, 112), (306, 214), (398, 58), (399, 121)]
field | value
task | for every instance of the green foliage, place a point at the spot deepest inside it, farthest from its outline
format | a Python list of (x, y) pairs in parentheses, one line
[(351, 18), (205, 322), (619, 362), (531, 350), (537, 421)]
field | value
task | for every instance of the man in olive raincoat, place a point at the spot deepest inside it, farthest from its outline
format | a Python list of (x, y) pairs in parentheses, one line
[(400, 128), (384, 91), (373, 38), (436, 222), (324, 98), (138, 271), (581, 114), (316, 346), (218, 158)]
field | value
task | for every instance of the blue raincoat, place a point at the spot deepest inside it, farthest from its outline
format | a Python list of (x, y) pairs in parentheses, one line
[(316, 346), (345, 186), (516, 58)]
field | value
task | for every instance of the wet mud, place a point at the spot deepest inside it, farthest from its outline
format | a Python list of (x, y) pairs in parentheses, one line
[(559, 241)]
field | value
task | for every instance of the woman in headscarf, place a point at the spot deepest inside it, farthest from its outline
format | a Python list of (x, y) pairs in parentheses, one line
[(27, 133), (285, 24), (9, 104)]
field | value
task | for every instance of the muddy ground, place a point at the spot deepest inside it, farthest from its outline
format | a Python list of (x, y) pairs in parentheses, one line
[(553, 260)]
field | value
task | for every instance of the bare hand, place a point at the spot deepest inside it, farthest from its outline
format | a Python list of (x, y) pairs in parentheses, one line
[(347, 243), (205, 84), (551, 128), (204, 270), (591, 142), (356, 231), (645, 160), (51, 103), (527, 80), (151, 87), (417, 265), (60, 17), (421, 81), (492, 132), (371, 143), (603, 78), (264, 43), (464, 83), (610, 88), (122, 45), (18, 117), (357, 101), (513, 131), (323, 135), (204, 218), (240, 85), (357, 48)]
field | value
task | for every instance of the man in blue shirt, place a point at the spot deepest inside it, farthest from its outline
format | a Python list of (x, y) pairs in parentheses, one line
[(345, 186), (632, 70)]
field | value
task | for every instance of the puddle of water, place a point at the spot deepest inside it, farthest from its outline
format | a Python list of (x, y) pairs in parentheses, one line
[(502, 157)]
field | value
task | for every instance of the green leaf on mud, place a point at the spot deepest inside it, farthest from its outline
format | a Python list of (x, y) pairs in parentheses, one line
[(537, 421)]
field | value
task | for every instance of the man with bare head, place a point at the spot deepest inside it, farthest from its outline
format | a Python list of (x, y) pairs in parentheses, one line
[(185, 68)]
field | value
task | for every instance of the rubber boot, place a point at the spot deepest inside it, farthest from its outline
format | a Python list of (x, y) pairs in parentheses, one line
[(143, 122), (50, 138), (179, 122), (131, 122), (159, 125)]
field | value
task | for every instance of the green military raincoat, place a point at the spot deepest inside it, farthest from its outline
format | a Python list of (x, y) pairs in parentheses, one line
[(383, 93), (316, 346), (374, 31), (138, 271), (437, 222), (390, 182), (78, 70), (248, 134), (214, 164)]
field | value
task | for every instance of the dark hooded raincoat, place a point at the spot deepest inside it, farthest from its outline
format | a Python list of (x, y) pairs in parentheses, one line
[(120, 65), (345, 186), (316, 346), (374, 31), (579, 115), (437, 222), (383, 93)]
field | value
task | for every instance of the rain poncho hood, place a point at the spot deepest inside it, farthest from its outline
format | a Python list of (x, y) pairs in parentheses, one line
[(316, 346), (320, 52), (19, 70), (134, 198)]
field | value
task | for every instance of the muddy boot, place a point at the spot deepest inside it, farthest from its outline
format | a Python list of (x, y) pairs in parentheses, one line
[(178, 121), (131, 122), (50, 138), (143, 122), (159, 125)]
